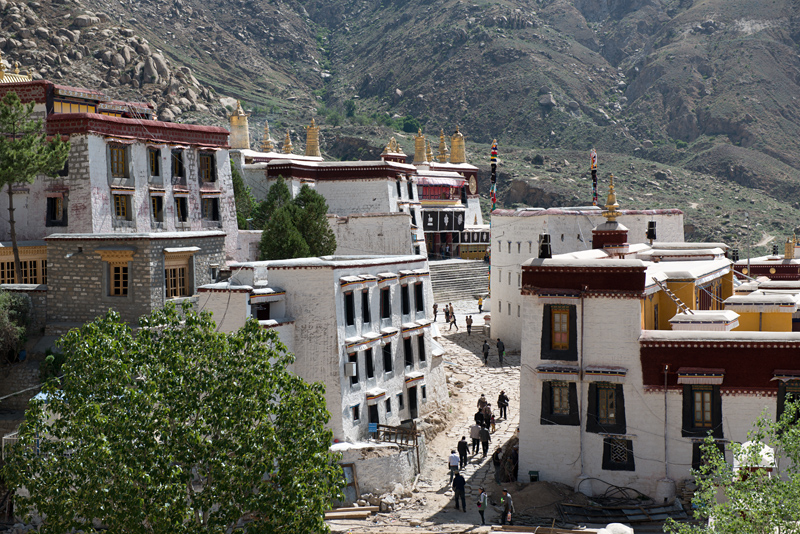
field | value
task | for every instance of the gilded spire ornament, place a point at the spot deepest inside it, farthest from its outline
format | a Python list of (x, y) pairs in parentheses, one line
[(312, 140), (267, 145), (428, 152), (393, 148), (240, 128), (789, 248), (611, 203), (287, 144), (2, 67), (443, 151), (419, 148), (457, 150)]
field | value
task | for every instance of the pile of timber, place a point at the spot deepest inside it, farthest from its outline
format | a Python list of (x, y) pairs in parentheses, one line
[(355, 512)]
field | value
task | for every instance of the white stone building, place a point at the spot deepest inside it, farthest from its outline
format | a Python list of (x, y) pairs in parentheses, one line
[(359, 324), (631, 355), (515, 239)]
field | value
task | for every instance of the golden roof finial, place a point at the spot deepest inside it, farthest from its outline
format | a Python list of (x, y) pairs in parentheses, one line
[(239, 112), (16, 67), (287, 144), (266, 143), (312, 140), (428, 152), (443, 152), (458, 153), (2, 67), (789, 248), (611, 202), (393, 147), (419, 148)]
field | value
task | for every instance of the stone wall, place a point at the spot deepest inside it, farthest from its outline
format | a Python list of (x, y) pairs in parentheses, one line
[(381, 473), (79, 278), (375, 233), (18, 377), (346, 197)]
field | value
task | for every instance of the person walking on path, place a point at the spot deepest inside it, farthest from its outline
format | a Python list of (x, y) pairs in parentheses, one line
[(479, 417), (492, 422), (469, 325), (435, 311), (452, 322), (482, 402), (453, 461), (502, 403), (508, 508), (487, 415), (459, 488), (480, 304), (452, 310), (485, 352), (485, 439), (475, 434), (446, 314), (501, 350), (483, 503), (463, 451)]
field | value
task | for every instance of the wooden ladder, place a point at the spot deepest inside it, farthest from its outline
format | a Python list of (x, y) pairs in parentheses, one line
[(682, 308)]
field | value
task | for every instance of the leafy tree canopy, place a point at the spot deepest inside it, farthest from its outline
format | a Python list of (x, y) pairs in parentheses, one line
[(176, 428), (748, 497), (296, 228)]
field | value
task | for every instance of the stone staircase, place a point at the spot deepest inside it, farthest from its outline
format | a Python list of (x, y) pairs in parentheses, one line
[(459, 279)]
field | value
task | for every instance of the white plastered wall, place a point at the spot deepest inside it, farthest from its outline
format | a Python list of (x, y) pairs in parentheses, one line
[(569, 232)]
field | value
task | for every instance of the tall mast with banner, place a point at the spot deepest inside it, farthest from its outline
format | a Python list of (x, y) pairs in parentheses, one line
[(593, 158), (493, 194)]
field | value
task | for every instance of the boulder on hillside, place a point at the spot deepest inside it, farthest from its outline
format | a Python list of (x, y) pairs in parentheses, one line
[(647, 144), (547, 100)]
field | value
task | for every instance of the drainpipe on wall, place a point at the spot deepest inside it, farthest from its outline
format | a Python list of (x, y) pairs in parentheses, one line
[(584, 484), (666, 489)]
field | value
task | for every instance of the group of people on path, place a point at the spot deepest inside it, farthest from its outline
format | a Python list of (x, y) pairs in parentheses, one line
[(450, 317), (459, 486), (501, 351)]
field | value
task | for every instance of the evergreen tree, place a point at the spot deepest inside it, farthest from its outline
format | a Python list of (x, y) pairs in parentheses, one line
[(313, 222), (281, 240), (295, 228), (176, 428), (24, 154), (245, 201)]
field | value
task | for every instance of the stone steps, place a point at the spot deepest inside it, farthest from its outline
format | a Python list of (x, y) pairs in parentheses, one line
[(459, 280)]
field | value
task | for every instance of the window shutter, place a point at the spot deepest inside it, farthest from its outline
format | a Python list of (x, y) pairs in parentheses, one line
[(545, 418)]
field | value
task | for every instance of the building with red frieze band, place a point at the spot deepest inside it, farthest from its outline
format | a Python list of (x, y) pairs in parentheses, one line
[(141, 213), (632, 354)]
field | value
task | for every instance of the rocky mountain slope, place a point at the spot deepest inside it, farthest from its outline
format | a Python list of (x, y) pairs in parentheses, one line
[(707, 87)]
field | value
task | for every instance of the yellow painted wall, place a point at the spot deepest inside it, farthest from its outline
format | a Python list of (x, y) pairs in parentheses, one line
[(727, 285), (770, 322)]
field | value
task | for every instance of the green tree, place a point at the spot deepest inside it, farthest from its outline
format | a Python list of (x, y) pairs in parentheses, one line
[(176, 428), (295, 228), (245, 201), (24, 154), (281, 239), (14, 319), (313, 222), (732, 500)]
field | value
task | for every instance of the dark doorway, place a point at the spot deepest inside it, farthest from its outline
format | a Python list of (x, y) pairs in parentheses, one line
[(373, 414), (412, 402)]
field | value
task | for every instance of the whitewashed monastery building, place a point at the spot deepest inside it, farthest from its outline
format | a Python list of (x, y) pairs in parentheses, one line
[(632, 354)]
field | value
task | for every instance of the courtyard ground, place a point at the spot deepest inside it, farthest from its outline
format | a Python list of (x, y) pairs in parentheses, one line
[(429, 507)]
